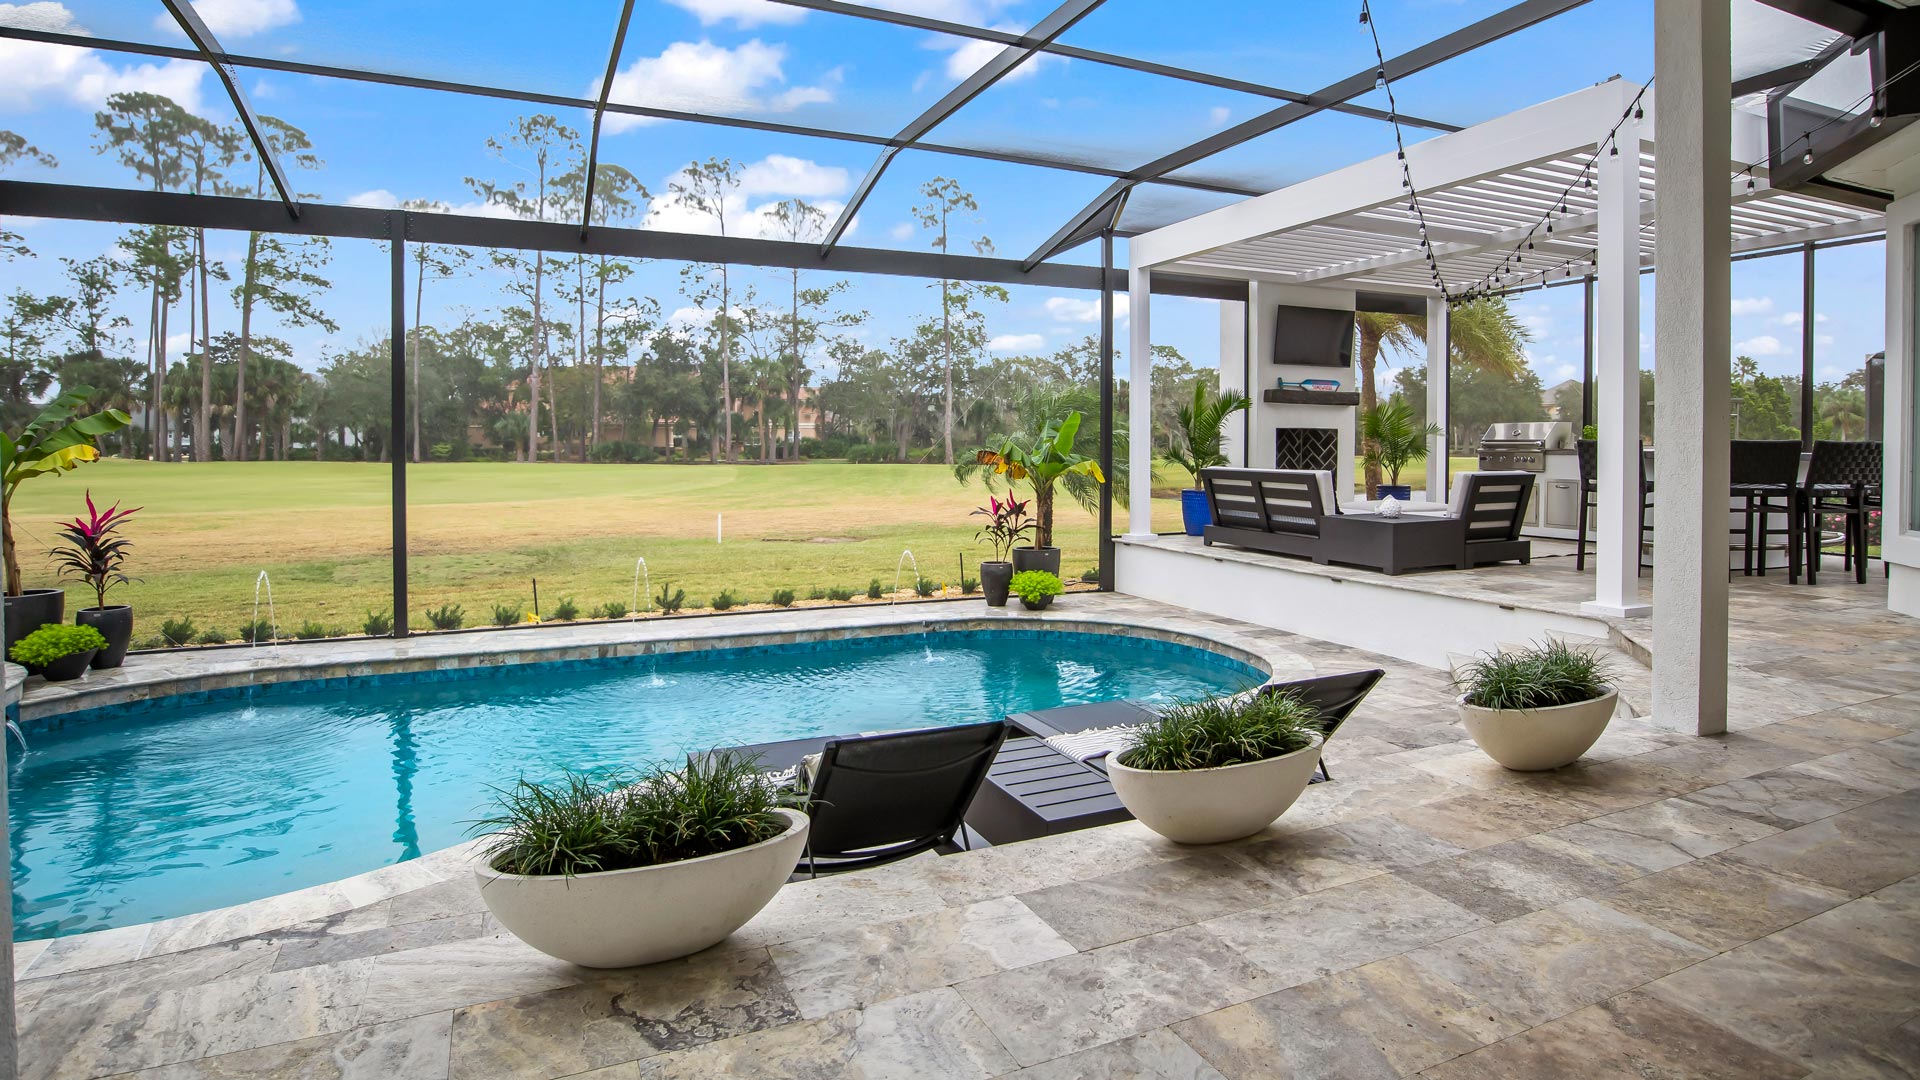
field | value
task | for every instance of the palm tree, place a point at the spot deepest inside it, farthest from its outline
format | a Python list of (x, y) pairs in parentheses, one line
[(1481, 333)]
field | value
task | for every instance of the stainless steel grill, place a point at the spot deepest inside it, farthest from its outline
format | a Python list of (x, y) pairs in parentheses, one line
[(1523, 446)]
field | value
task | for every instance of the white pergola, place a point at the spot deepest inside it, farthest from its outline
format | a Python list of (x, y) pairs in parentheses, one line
[(1483, 193)]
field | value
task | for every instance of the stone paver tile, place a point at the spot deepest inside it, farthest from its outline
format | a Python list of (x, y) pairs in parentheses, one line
[(1505, 880), (440, 977), (1483, 818), (851, 968), (1720, 903), (101, 948), (1556, 960), (1663, 834), (1385, 1020), (1350, 925), (455, 896), (195, 967), (1784, 798), (1858, 851), (1148, 899), (410, 1049), (332, 948), (1629, 1037), (1322, 858), (1827, 732), (1875, 768), (1055, 1008), (1157, 1055)]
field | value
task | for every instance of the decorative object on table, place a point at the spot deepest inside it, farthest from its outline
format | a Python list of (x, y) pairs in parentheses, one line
[(1045, 457), (1006, 523), (55, 441), (1036, 588), (57, 652), (1219, 769), (1389, 507), (1391, 439), (1320, 384), (1200, 431), (95, 553), (641, 869), (1538, 707)]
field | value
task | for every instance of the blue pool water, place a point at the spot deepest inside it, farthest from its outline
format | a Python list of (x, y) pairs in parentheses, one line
[(128, 815)]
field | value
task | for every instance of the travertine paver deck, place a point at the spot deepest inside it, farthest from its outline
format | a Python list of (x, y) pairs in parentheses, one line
[(1735, 907)]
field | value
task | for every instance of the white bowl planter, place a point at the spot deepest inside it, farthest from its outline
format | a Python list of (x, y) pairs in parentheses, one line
[(1212, 806), (646, 914), (1532, 740)]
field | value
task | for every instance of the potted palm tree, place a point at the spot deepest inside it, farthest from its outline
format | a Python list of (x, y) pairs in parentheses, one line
[(1393, 439), (55, 441), (1198, 445), (639, 869), (95, 554), (1219, 769), (1536, 708), (1042, 458), (1006, 523)]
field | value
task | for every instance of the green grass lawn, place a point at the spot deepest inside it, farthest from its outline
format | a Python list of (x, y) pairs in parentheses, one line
[(481, 533)]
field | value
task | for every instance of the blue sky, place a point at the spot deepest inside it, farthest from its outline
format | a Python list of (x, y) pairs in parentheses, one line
[(757, 59)]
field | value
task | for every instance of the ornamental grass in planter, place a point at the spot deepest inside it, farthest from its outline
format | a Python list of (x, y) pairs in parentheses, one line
[(1536, 708), (1219, 769), (639, 868)]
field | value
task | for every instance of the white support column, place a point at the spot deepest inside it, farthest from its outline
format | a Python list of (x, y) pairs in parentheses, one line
[(1692, 333), (1616, 381), (1437, 367), (1233, 376), (1140, 404)]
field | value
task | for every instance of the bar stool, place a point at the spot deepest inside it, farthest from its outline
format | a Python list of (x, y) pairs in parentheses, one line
[(1587, 454), (1839, 478), (1764, 473)]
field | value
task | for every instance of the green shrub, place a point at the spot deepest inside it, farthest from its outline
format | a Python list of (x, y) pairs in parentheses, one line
[(869, 454), (1537, 677), (566, 610), (839, 594), (612, 609), (377, 624), (577, 826), (1031, 585), (924, 586), (256, 631), (178, 632), (874, 591), (211, 636), (508, 615), (440, 451), (1091, 574), (1214, 732), (53, 641), (336, 631), (154, 642), (783, 598), (446, 617), (310, 631), (816, 593), (670, 602), (725, 600), (969, 586)]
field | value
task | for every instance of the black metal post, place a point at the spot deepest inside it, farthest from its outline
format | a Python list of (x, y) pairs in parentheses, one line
[(1586, 362), (1806, 346), (1106, 410), (397, 227)]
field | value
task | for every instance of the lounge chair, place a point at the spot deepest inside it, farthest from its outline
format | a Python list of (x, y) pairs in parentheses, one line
[(1273, 510), (876, 799), (1336, 696), (1491, 507)]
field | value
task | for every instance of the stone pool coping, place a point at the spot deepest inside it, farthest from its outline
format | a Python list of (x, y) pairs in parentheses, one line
[(153, 676)]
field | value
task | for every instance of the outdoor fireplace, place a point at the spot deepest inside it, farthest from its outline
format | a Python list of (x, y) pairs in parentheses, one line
[(1317, 449)]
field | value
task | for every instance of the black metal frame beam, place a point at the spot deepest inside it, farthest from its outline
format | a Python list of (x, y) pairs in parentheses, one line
[(1792, 73), (1074, 52), (397, 412), (1501, 24), (209, 50), (1012, 56), (600, 111), (562, 101)]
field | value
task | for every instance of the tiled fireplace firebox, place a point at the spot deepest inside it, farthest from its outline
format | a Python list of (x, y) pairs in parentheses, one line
[(1306, 448)]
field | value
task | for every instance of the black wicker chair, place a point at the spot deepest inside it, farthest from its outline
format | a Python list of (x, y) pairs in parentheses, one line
[(1587, 453), (1764, 474), (1842, 481)]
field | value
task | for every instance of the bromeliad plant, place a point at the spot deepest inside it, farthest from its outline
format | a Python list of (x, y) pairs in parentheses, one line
[(94, 552), (1006, 523), (58, 440)]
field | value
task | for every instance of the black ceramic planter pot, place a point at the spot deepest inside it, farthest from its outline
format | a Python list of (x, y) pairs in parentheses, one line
[(115, 623), (1028, 558), (70, 666), (1041, 604), (994, 577), (31, 610)]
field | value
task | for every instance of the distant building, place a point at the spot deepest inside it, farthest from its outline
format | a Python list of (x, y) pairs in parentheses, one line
[(1551, 397)]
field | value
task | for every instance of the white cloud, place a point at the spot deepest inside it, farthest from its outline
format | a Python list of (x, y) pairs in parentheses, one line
[(688, 318), (774, 175), (1217, 116), (37, 73), (969, 56), (1073, 309), (1792, 318), (1752, 305), (1760, 345), (238, 18), (975, 12), (1823, 339), (702, 76), (903, 230), (377, 199), (745, 13), (778, 174), (1016, 343), (382, 199), (40, 16)]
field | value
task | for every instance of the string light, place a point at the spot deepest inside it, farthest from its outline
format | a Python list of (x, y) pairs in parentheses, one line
[(1415, 211)]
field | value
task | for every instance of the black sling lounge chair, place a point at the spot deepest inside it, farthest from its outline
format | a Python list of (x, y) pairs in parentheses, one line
[(1336, 696), (880, 798)]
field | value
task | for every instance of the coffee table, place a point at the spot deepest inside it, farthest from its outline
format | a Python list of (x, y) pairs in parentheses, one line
[(1392, 544)]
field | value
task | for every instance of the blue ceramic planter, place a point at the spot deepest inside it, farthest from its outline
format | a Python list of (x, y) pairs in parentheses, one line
[(1194, 510), (1403, 492)]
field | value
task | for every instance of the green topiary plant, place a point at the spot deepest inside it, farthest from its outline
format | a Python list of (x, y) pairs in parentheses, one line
[(1033, 586), (612, 609), (212, 636), (838, 594), (969, 586), (256, 632), (54, 641), (783, 598), (874, 591), (446, 617), (1215, 732), (924, 586), (377, 624), (310, 631), (178, 632), (566, 610), (1541, 676), (1090, 574), (670, 602), (508, 615), (725, 600)]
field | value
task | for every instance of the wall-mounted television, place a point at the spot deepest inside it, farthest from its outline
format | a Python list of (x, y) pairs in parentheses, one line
[(1313, 337)]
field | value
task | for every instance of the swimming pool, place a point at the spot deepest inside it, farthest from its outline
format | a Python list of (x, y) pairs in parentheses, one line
[(130, 814)]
